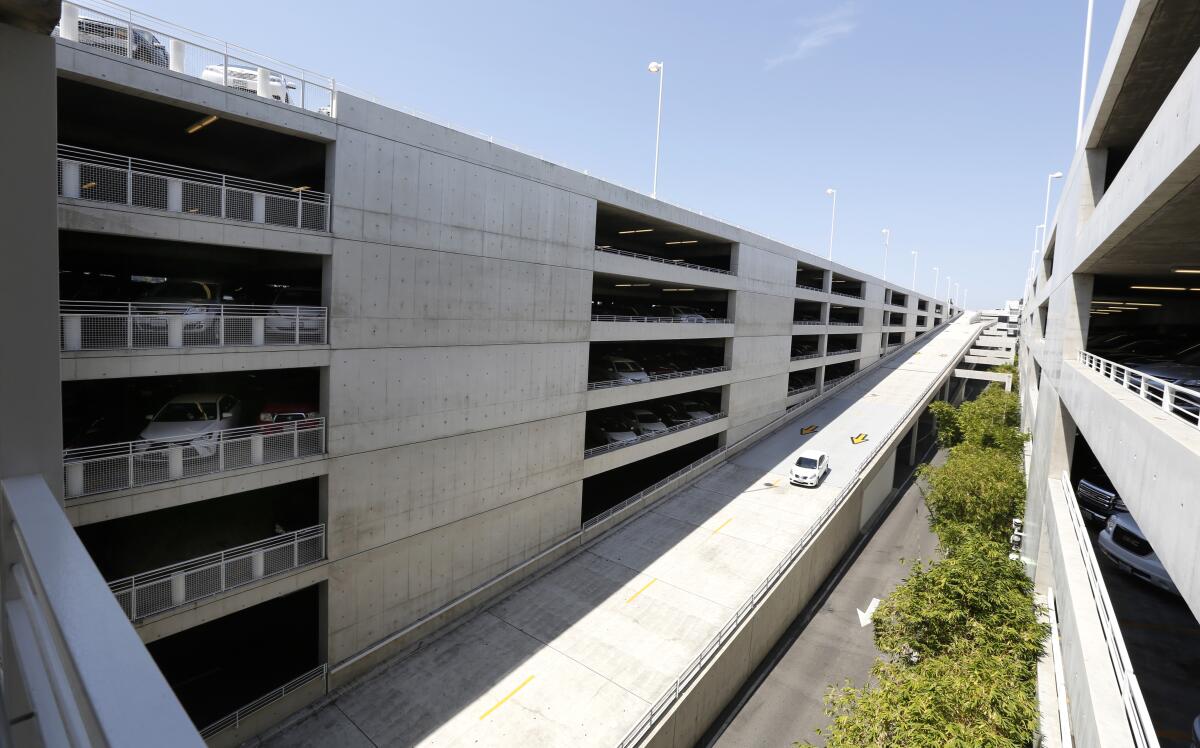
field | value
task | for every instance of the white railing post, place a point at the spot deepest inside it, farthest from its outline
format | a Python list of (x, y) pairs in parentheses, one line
[(1168, 397), (263, 85), (129, 35), (72, 332), (175, 60), (223, 189), (259, 203), (129, 326), (258, 329), (129, 181), (175, 195), (296, 319), (221, 325), (68, 25), (295, 440), (300, 211), (74, 478)]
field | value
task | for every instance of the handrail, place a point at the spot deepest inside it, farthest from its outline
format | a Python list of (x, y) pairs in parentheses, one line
[(807, 322), (603, 449), (84, 674), (652, 258), (1181, 402), (803, 356), (840, 323), (234, 719), (801, 390), (689, 674), (606, 384), (1136, 713), (810, 288), (167, 587), (689, 319), (100, 176), (858, 295)]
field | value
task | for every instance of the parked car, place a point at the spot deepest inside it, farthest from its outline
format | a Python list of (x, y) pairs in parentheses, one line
[(647, 422), (694, 409), (686, 313), (670, 414), (283, 413), (613, 430), (296, 306), (114, 37), (1122, 542), (1137, 348), (246, 79), (1097, 498), (810, 468), (618, 369), (191, 420), (1196, 732), (198, 301)]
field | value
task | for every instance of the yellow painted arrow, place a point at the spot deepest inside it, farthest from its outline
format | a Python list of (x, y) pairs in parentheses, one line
[(858, 439), (808, 430)]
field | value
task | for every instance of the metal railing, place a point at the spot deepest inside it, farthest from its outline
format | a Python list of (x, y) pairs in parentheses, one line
[(605, 448), (802, 390), (652, 258), (841, 323), (152, 592), (698, 664), (80, 676), (844, 351), (818, 289), (807, 322), (1181, 402), (1140, 726), (235, 719), (112, 467), (128, 33), (105, 325), (689, 319), (803, 356), (656, 377), (830, 383), (848, 295), (87, 174)]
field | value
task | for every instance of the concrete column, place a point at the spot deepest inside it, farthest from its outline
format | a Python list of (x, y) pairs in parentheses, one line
[(177, 55), (258, 330), (175, 462), (72, 332), (175, 331), (257, 565), (264, 83), (912, 447), (256, 449), (260, 207), (178, 589), (74, 479), (175, 195), (68, 25), (70, 179)]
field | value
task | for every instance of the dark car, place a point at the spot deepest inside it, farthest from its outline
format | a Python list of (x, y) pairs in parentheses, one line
[(112, 37)]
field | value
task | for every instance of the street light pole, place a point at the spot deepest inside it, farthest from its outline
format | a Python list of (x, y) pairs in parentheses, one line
[(914, 283), (887, 239), (935, 282), (949, 280), (1087, 46), (657, 68), (1046, 211), (832, 219)]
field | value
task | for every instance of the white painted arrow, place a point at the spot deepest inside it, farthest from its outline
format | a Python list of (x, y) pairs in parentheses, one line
[(865, 618)]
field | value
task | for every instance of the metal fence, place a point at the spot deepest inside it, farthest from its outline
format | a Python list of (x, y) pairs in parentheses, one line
[(803, 356), (807, 322), (1140, 726), (128, 33), (652, 435), (235, 719), (848, 295), (802, 390), (651, 258), (810, 288), (656, 377), (87, 174), (840, 323), (690, 673), (689, 319), (152, 592), (112, 467), (1181, 402), (844, 351), (105, 325)]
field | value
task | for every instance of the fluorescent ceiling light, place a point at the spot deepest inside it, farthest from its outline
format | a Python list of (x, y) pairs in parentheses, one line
[(201, 124), (1130, 308), (1139, 303), (622, 285), (301, 189), (697, 241), (1159, 288), (635, 231), (1189, 271), (679, 289)]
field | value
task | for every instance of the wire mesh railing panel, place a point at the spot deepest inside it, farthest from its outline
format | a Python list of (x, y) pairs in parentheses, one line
[(99, 325), (1181, 402)]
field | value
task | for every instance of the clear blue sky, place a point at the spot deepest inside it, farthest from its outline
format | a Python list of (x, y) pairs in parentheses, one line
[(938, 119)]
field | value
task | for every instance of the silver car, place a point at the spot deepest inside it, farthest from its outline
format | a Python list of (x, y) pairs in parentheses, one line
[(192, 420)]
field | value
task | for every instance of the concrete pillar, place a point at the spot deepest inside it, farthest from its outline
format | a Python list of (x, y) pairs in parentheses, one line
[(256, 449), (72, 332), (70, 179), (177, 55), (175, 331), (178, 589), (912, 447), (175, 462), (68, 25), (175, 195), (260, 207), (74, 479), (257, 565), (264, 83), (258, 330)]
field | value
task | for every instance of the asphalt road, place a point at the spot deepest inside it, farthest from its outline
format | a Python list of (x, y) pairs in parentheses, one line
[(786, 704)]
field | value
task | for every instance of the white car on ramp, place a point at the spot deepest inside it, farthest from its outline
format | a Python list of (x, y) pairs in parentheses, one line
[(810, 468)]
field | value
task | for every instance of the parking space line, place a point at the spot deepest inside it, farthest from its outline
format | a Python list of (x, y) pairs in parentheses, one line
[(722, 527), (511, 693), (643, 589)]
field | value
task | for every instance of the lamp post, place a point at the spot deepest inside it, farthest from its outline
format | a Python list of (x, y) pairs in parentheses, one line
[(964, 298), (1046, 211), (657, 69), (935, 282), (887, 239), (832, 219), (949, 280), (956, 300), (914, 283), (1087, 45)]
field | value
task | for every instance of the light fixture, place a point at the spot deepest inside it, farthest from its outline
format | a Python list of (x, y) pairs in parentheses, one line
[(641, 285), (301, 189), (622, 285), (603, 246), (679, 289), (689, 241), (201, 124), (1101, 313), (1189, 271), (87, 186), (1159, 288), (1128, 308), (1139, 303), (635, 231)]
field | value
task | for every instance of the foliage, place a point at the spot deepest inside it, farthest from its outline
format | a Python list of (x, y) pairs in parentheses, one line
[(948, 431), (1010, 369), (965, 698), (978, 487), (992, 420), (975, 595)]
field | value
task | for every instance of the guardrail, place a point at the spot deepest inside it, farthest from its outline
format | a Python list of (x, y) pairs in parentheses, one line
[(87, 174), (688, 320), (603, 449), (807, 322), (802, 390), (843, 352), (128, 33), (107, 325), (652, 258), (80, 674), (684, 681), (1181, 402), (235, 719), (606, 384), (838, 323), (152, 592), (847, 295), (1140, 726), (803, 356), (112, 467), (810, 288)]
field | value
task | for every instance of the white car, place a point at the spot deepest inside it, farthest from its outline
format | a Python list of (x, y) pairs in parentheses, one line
[(189, 420), (687, 314), (648, 422), (811, 466), (246, 79), (1122, 542), (614, 430)]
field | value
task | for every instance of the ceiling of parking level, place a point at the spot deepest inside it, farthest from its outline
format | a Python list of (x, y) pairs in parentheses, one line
[(625, 229), (1166, 239)]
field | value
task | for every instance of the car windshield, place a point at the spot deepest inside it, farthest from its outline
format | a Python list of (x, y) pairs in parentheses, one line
[(806, 462), (626, 366), (182, 290), (176, 412)]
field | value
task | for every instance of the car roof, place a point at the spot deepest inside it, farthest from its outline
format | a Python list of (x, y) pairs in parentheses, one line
[(192, 397), (813, 453)]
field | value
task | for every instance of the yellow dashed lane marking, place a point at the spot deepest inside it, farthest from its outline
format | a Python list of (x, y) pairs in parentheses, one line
[(722, 527), (634, 595), (511, 694)]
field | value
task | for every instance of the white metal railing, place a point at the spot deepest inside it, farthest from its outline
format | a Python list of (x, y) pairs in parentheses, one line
[(830, 383), (79, 675), (803, 356), (1140, 726), (235, 719), (1181, 402), (652, 258), (842, 352), (653, 435), (87, 174), (111, 467), (706, 655), (807, 322), (154, 591), (810, 288), (802, 390), (123, 31), (840, 323), (656, 377), (105, 325), (848, 295), (689, 319)]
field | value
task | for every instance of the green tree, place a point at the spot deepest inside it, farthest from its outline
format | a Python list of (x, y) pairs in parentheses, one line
[(966, 698), (974, 595), (1010, 369), (992, 420), (978, 487), (948, 431)]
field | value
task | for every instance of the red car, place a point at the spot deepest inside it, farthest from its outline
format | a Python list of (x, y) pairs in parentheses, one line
[(286, 413)]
